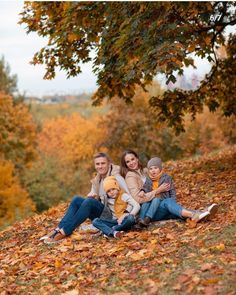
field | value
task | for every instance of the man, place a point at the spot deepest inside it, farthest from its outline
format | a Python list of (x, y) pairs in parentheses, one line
[(91, 207)]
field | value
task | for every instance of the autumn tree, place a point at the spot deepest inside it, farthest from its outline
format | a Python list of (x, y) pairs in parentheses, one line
[(133, 41), (135, 126), (8, 82), (66, 146), (15, 202), (49, 182), (17, 132), (218, 90)]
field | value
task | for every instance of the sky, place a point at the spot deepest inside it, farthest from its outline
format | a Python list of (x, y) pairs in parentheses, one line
[(18, 49)]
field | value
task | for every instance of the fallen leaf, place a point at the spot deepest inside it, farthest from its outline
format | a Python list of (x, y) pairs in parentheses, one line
[(206, 266)]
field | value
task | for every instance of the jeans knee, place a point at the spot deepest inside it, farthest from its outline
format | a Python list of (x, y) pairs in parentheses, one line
[(156, 201), (95, 221), (168, 202), (130, 218), (89, 201), (76, 200)]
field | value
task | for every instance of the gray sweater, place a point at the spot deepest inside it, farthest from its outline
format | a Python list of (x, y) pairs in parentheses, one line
[(147, 187)]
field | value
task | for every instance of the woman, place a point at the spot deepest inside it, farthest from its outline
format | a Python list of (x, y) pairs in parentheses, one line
[(132, 171)]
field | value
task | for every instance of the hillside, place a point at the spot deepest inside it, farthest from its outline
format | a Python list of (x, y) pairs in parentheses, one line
[(170, 257)]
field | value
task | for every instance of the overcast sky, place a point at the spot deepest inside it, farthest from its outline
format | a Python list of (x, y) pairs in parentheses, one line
[(18, 49)]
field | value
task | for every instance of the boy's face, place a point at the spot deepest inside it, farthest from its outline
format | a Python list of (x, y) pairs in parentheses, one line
[(153, 171), (113, 193)]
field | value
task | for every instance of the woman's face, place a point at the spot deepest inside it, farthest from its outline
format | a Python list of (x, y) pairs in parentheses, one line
[(131, 162)]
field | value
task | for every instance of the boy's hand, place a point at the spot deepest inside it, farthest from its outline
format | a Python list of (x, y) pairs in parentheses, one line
[(164, 187), (141, 194)]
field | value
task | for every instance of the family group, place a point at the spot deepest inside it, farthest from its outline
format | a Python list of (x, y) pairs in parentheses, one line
[(124, 196)]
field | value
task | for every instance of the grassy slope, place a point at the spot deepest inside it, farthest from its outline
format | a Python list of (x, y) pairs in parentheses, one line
[(170, 257), (42, 112)]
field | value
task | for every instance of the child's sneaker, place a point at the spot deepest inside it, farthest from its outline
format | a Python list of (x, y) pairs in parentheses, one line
[(147, 220), (212, 209), (141, 223), (200, 216), (118, 234)]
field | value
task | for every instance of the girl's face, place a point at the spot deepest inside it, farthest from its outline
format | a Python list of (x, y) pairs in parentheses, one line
[(113, 193), (131, 162), (153, 171)]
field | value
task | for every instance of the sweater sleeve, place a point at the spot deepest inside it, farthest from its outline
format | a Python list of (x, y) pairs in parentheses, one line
[(134, 189), (147, 187), (130, 201), (172, 189), (93, 192), (171, 193), (122, 183)]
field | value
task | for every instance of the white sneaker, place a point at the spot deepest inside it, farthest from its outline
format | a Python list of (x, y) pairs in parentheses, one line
[(201, 216), (118, 234), (212, 209)]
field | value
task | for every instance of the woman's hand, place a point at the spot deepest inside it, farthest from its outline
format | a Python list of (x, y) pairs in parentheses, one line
[(141, 194), (164, 187)]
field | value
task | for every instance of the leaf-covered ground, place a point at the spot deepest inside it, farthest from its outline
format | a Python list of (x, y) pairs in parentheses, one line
[(172, 257)]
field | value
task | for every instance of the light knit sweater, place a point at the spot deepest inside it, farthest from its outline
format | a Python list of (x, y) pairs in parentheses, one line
[(135, 182)]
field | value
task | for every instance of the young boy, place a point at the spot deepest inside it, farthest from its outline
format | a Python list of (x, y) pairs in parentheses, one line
[(165, 207), (123, 208)]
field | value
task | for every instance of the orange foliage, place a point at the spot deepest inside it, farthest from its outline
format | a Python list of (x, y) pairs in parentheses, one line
[(209, 131), (17, 132), (71, 139), (14, 200)]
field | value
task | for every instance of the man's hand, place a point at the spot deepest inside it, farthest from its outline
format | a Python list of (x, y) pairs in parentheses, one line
[(122, 218), (93, 196)]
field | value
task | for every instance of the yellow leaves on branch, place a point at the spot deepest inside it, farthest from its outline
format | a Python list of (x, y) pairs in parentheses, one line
[(14, 200)]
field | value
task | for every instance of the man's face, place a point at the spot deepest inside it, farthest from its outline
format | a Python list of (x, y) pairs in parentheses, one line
[(101, 165)]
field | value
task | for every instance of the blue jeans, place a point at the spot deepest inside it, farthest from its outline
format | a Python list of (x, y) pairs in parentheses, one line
[(108, 226), (161, 209), (79, 210), (149, 208)]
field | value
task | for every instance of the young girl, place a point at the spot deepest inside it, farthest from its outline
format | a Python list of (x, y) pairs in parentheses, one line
[(123, 207)]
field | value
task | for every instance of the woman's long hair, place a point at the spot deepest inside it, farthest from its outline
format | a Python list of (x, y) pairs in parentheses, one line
[(123, 167)]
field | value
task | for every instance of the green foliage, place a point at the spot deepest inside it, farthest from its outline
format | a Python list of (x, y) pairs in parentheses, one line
[(8, 82), (48, 182), (133, 42), (42, 112), (218, 90)]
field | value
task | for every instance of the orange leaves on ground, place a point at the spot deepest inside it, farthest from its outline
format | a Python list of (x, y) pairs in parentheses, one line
[(167, 257)]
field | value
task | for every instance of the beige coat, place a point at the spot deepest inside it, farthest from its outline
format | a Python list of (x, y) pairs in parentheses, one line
[(135, 184)]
